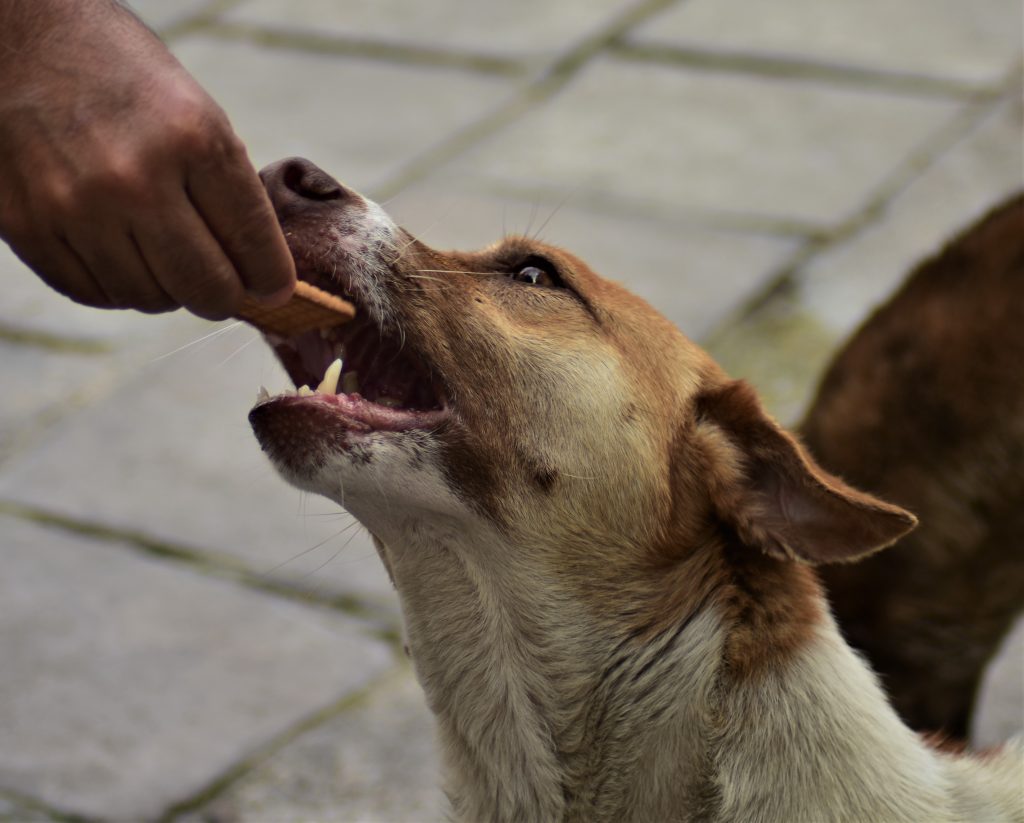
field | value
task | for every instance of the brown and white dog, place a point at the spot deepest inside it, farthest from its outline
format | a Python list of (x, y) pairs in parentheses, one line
[(925, 407), (602, 544)]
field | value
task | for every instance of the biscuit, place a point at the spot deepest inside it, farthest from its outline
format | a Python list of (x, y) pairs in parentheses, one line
[(309, 308)]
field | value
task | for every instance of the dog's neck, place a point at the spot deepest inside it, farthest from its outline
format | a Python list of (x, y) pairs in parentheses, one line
[(552, 710)]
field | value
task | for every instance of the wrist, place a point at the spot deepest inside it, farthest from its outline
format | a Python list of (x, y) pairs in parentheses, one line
[(35, 32)]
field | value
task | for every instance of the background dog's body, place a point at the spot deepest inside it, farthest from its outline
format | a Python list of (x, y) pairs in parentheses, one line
[(925, 407), (600, 542)]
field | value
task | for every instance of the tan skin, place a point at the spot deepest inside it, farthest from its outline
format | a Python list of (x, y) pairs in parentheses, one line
[(122, 183)]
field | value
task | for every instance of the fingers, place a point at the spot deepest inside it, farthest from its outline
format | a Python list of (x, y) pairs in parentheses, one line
[(61, 269), (187, 261), (158, 257), (117, 267), (235, 207), (108, 275)]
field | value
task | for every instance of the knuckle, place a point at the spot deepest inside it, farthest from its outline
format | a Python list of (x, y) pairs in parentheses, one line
[(251, 231), (118, 179), (59, 197), (206, 135), (121, 176)]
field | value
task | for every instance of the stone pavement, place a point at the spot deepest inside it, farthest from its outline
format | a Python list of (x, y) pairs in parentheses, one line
[(183, 637)]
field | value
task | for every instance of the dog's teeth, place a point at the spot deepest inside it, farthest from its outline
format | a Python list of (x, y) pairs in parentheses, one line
[(329, 385), (350, 382), (390, 402), (305, 391), (262, 394)]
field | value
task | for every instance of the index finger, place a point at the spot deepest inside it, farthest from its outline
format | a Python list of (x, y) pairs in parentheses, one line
[(234, 205)]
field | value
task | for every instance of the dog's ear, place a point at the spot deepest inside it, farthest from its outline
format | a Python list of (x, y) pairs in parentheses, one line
[(777, 498)]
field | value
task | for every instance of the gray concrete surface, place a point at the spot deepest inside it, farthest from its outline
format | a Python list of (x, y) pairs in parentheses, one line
[(183, 637)]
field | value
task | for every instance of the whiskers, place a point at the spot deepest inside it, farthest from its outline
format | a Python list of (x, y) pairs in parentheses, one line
[(551, 215), (239, 350), (197, 341), (351, 528)]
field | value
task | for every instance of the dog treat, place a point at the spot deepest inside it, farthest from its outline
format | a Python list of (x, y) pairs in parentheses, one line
[(310, 308)]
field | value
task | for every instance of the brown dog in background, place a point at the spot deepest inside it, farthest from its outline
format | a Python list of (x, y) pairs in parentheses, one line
[(925, 408)]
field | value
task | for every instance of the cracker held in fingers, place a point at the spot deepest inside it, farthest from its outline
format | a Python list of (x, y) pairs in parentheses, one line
[(309, 308)]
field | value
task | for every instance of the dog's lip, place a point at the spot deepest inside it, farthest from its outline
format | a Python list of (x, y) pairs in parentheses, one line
[(357, 414)]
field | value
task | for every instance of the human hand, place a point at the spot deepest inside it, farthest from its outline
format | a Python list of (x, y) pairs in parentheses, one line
[(122, 183)]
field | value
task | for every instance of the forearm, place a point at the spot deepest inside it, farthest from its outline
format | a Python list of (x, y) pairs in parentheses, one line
[(30, 29)]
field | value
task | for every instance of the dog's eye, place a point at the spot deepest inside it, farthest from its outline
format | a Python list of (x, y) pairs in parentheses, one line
[(536, 272), (530, 274)]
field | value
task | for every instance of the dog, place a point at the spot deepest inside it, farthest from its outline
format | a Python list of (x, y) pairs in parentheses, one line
[(925, 407), (602, 545)]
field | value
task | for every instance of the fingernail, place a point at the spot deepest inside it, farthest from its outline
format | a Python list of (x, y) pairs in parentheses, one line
[(277, 298)]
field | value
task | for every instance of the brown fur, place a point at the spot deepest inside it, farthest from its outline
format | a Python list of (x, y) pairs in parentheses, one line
[(925, 407)]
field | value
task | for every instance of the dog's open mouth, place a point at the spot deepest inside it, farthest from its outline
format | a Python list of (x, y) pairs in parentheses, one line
[(371, 379)]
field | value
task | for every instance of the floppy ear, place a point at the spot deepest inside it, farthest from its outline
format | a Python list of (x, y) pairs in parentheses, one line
[(778, 499)]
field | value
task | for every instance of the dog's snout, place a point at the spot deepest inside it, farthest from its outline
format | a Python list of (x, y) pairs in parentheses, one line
[(296, 183)]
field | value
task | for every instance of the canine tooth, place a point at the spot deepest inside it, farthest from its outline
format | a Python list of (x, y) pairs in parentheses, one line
[(350, 382), (329, 385), (262, 394), (305, 391)]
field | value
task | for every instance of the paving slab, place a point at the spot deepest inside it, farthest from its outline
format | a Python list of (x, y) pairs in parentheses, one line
[(844, 284), (170, 455), (530, 28), (694, 274), (785, 346), (59, 356), (680, 139), (374, 763), (976, 42), (999, 712), (15, 811), (361, 120), (129, 684), (42, 386), (159, 14)]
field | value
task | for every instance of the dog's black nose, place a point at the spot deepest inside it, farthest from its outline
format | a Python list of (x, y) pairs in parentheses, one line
[(297, 183)]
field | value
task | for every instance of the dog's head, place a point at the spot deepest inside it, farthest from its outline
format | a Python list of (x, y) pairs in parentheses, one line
[(515, 387)]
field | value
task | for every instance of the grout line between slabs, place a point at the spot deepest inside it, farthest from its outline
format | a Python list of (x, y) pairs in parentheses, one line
[(800, 69), (968, 118), (238, 770), (209, 563), (551, 80)]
